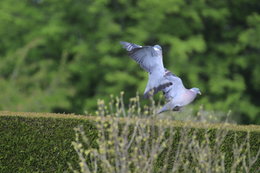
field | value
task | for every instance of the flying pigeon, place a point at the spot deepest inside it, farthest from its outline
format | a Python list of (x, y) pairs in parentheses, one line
[(150, 59), (177, 95)]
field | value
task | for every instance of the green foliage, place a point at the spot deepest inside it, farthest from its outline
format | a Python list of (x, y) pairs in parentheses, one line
[(37, 144), (61, 56), (42, 142)]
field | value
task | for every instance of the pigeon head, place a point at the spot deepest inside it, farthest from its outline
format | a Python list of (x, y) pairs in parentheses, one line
[(157, 47), (196, 90)]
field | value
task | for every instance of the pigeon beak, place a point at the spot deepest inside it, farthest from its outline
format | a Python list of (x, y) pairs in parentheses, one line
[(199, 93)]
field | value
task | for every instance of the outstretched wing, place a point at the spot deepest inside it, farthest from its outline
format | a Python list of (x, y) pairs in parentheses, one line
[(148, 57), (176, 88)]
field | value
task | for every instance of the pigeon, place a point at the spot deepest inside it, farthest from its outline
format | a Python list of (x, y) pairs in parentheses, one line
[(150, 59), (177, 95)]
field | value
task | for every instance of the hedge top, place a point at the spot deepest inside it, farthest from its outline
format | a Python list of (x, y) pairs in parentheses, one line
[(167, 122)]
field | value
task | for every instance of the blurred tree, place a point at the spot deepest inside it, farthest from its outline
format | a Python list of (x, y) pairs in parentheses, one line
[(62, 56)]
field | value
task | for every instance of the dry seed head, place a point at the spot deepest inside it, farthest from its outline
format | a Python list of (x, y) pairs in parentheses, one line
[(111, 151), (74, 144), (106, 124), (155, 156), (81, 150), (87, 152), (102, 150), (98, 141), (81, 164), (142, 126), (133, 99), (164, 145)]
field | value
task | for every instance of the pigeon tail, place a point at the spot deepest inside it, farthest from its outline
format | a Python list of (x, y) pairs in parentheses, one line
[(169, 106), (166, 107)]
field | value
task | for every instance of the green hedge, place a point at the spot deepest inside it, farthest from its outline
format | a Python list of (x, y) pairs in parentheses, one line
[(39, 143), (226, 147)]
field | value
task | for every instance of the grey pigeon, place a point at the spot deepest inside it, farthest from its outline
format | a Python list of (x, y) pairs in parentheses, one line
[(150, 59), (177, 95)]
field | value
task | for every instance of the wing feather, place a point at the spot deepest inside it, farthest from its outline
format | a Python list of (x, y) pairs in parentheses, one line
[(150, 59), (176, 88), (146, 56)]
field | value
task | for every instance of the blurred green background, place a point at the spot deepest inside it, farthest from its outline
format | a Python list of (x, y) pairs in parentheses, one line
[(61, 56)]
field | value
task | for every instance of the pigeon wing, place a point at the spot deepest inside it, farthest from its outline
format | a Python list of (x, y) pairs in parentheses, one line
[(176, 88), (156, 88), (149, 58)]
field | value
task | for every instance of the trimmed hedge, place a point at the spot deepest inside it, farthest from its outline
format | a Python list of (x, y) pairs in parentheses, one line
[(38, 144), (226, 147), (33, 142)]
